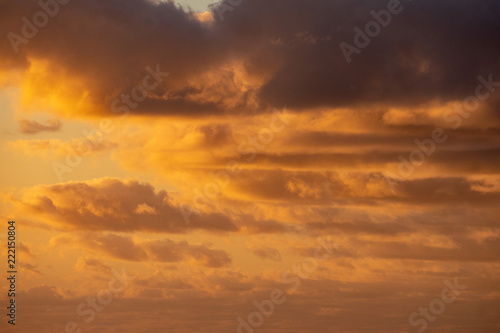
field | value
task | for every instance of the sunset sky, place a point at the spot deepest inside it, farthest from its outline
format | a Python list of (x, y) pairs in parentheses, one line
[(297, 166)]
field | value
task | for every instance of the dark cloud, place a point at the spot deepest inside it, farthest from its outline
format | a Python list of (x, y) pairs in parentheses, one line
[(389, 69), (427, 52)]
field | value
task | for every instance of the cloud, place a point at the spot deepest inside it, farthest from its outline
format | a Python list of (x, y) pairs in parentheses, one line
[(465, 250), (30, 268), (126, 248), (328, 173), (116, 205), (34, 127), (250, 64), (264, 252), (169, 251), (25, 250), (85, 264), (56, 148), (42, 294), (347, 188)]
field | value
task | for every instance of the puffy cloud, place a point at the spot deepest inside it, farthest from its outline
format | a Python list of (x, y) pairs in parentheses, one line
[(116, 205), (252, 61)]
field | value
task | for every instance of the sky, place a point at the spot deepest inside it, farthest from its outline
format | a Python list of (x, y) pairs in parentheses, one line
[(251, 166), (197, 5)]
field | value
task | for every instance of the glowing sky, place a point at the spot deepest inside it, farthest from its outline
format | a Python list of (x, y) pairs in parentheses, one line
[(246, 159)]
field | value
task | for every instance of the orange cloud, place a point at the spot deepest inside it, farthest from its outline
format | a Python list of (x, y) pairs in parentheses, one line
[(112, 204), (126, 248), (33, 127)]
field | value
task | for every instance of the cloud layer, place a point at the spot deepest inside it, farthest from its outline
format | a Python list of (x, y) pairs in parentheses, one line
[(236, 147)]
